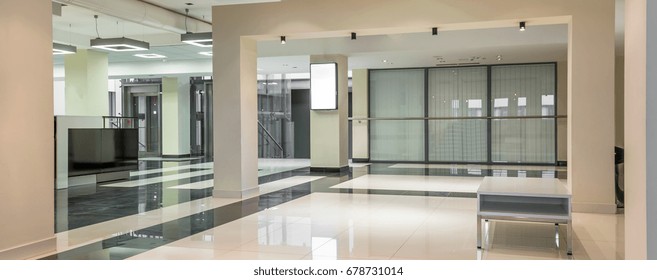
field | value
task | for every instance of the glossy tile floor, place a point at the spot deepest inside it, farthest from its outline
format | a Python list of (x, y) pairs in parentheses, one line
[(374, 211)]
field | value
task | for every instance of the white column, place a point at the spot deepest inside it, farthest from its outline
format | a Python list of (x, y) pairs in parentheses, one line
[(175, 117), (86, 83), (26, 124), (360, 109), (328, 129), (235, 116), (591, 110), (640, 130)]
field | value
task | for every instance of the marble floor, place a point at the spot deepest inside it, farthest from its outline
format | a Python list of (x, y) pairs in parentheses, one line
[(374, 211)]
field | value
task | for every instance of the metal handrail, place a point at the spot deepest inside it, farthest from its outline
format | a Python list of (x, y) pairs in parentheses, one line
[(457, 118), (271, 137), (117, 119)]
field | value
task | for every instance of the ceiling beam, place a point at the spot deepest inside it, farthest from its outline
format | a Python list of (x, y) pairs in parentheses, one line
[(144, 13)]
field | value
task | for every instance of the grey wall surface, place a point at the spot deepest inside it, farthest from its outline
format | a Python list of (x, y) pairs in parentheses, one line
[(301, 119)]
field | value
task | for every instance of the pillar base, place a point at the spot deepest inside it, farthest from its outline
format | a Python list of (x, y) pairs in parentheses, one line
[(236, 194), (30, 250), (329, 169), (595, 208), (177, 156)]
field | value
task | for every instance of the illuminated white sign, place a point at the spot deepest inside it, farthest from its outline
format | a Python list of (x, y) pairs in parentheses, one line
[(323, 86)]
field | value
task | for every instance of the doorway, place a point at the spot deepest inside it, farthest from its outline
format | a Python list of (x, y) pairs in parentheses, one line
[(201, 137), (142, 99)]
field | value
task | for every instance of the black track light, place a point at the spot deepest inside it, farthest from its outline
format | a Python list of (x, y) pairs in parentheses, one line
[(434, 31), (353, 35), (522, 26), (283, 40)]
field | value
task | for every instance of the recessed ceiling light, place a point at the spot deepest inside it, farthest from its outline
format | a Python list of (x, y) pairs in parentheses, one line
[(385, 61), (206, 53), (150, 55)]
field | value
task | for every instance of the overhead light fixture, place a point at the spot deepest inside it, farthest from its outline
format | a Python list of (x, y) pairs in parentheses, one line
[(434, 31), (119, 44), (353, 35), (150, 55), (206, 53), (63, 49), (283, 41), (203, 39), (522, 26)]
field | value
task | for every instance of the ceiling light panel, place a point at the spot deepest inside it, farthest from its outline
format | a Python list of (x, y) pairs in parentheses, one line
[(63, 49), (119, 44), (150, 55), (203, 39)]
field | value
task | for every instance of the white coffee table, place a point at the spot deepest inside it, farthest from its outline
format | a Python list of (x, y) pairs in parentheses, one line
[(544, 200)]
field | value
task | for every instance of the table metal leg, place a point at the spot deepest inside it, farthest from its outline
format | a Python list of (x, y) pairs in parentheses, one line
[(478, 232), (570, 238)]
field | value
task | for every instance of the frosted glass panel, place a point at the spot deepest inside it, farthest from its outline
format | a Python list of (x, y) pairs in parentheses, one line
[(397, 140), (523, 140), (458, 92), (397, 93), (523, 90), (458, 140)]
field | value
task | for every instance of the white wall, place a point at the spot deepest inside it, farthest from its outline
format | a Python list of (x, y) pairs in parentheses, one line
[(86, 83), (640, 129), (175, 116), (59, 97), (360, 104)]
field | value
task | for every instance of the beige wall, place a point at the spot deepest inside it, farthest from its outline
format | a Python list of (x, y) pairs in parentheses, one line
[(86, 83), (590, 61), (26, 120), (360, 109)]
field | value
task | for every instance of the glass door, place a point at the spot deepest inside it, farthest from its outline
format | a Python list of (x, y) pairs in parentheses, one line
[(146, 108)]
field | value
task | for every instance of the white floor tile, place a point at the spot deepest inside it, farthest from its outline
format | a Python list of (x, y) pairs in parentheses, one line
[(414, 183)]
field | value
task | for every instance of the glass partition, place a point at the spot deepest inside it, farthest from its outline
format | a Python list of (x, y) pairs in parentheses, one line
[(395, 95), (523, 91), (472, 114), (457, 92)]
